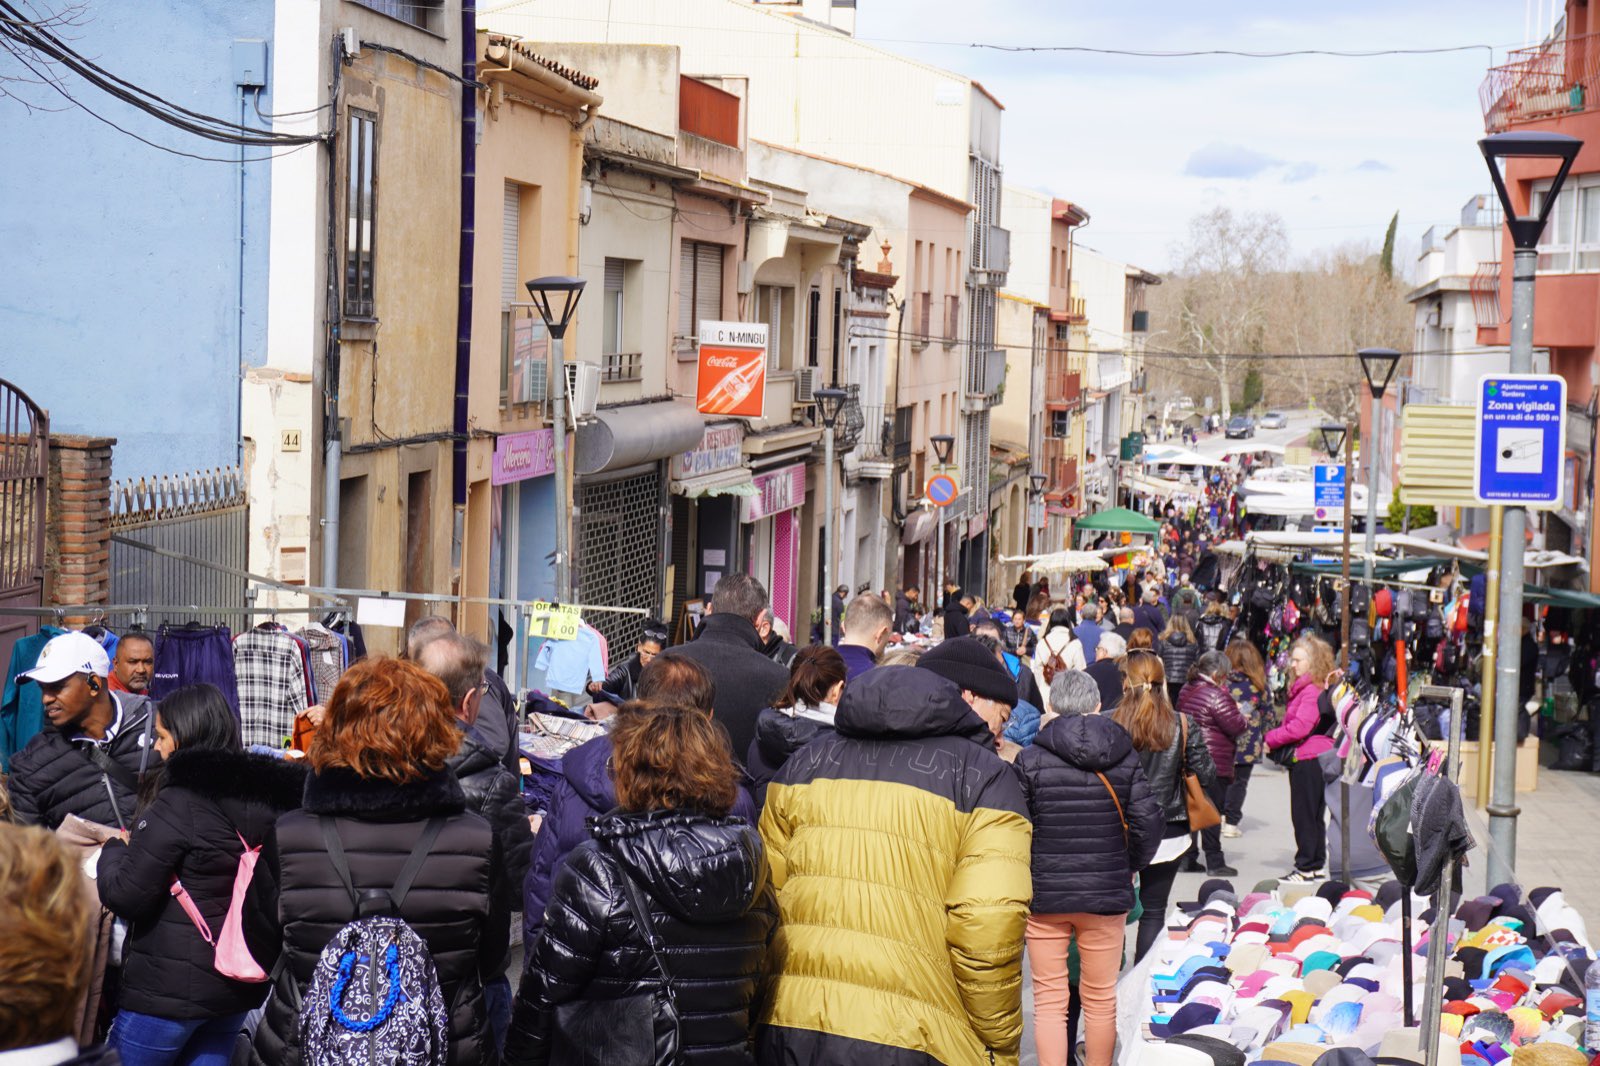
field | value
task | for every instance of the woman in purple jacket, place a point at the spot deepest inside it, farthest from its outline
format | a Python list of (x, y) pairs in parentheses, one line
[(1311, 667), (1205, 699)]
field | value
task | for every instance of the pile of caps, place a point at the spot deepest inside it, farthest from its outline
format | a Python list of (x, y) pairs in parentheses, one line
[(1313, 976)]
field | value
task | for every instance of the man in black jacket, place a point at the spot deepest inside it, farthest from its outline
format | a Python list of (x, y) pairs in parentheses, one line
[(490, 789), (747, 681), (97, 749)]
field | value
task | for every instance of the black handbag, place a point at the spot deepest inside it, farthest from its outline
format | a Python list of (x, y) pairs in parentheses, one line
[(605, 1032)]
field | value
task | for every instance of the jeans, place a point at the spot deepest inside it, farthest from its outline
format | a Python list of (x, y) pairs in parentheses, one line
[(497, 1004), (1308, 815), (1233, 809), (1099, 938), (1155, 888), (145, 1040)]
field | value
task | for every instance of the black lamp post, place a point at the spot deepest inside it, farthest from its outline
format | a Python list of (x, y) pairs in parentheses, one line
[(1036, 521), (829, 403), (1378, 366), (1511, 522), (556, 299), (1332, 438), (943, 444)]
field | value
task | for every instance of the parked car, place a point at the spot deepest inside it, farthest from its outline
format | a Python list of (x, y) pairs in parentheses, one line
[(1274, 420), (1240, 426)]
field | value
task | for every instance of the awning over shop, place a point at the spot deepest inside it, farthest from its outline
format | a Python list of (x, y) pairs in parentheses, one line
[(1118, 520), (1156, 486), (621, 437), (919, 526), (735, 482), (1063, 562), (1168, 456)]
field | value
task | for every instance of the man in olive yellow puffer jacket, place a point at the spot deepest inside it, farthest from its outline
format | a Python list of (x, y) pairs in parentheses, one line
[(899, 847)]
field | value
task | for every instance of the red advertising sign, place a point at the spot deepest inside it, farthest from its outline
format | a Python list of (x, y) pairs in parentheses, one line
[(733, 369)]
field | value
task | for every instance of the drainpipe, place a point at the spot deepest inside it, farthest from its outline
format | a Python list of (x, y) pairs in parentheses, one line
[(238, 362), (469, 161), (333, 431)]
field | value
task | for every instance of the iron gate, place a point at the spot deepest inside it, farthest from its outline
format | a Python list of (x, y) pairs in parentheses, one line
[(618, 560), (202, 517), (24, 476)]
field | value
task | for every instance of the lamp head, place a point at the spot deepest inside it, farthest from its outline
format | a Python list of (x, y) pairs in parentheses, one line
[(556, 299), (1379, 365), (1525, 229), (829, 403), (1333, 434), (943, 444), (1038, 481)]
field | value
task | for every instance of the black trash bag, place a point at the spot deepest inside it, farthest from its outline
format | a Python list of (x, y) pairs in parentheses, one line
[(1574, 747)]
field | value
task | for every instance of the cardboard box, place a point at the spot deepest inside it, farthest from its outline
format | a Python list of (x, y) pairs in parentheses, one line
[(1527, 767)]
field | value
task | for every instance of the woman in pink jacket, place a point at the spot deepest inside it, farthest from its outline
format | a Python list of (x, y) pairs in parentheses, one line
[(1312, 669)]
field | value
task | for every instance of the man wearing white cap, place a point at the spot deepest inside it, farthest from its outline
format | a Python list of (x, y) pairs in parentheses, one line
[(97, 748)]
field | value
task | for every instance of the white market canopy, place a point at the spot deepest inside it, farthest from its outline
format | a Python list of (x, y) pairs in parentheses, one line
[(1398, 542), (1177, 457), (1062, 562)]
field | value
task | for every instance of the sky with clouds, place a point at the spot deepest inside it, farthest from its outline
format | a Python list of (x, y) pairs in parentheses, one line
[(1333, 145)]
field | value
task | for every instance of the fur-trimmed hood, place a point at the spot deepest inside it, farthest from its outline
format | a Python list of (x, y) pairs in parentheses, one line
[(239, 776), (340, 790)]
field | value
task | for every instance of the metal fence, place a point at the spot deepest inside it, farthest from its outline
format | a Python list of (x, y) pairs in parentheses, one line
[(201, 516)]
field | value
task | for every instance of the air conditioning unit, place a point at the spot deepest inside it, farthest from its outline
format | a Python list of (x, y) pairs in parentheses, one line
[(583, 389), (805, 386), (535, 382), (745, 278)]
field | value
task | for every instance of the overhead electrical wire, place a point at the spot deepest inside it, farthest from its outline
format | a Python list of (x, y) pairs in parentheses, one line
[(23, 36)]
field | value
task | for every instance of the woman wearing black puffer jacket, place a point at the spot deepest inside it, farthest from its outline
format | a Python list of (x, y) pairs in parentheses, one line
[(206, 796), (1095, 825), (379, 776), (666, 867)]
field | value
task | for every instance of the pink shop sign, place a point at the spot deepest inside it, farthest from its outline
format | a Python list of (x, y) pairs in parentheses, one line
[(520, 456), (779, 491)]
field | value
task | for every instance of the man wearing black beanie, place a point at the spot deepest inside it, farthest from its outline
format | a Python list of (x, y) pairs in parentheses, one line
[(985, 684)]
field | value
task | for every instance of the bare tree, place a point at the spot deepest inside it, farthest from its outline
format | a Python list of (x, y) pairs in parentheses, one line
[(24, 67)]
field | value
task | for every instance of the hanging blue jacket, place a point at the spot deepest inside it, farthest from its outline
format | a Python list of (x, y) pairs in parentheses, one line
[(1024, 724), (22, 707)]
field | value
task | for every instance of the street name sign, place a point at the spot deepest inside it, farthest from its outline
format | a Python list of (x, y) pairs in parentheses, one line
[(1518, 450)]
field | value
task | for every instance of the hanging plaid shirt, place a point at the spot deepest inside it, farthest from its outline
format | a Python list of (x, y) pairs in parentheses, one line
[(326, 652), (272, 684)]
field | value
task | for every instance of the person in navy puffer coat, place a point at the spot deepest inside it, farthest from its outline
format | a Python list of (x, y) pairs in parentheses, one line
[(1095, 825), (586, 789)]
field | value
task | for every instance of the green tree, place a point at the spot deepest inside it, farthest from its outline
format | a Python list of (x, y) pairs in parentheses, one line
[(1421, 514), (1251, 394), (1386, 257)]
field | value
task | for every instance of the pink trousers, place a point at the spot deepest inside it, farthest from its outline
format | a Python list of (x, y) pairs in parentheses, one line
[(1099, 938)]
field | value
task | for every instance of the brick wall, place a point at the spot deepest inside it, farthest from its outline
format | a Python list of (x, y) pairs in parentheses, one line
[(77, 548)]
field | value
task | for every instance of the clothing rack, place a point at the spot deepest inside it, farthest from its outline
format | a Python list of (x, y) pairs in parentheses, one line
[(1443, 905)]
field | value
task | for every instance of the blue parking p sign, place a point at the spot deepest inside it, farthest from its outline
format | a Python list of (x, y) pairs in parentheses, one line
[(1522, 421)]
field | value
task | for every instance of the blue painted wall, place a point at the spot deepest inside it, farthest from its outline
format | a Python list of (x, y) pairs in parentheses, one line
[(119, 308)]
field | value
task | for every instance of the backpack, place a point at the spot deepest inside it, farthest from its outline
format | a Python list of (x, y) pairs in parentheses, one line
[(232, 957), (375, 994)]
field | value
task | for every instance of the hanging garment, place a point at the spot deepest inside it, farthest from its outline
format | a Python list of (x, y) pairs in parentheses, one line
[(191, 654), (325, 654), (570, 665), (22, 708), (272, 684), (349, 628)]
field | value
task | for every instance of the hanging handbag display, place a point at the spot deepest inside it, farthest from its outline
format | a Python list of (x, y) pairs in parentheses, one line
[(1202, 812)]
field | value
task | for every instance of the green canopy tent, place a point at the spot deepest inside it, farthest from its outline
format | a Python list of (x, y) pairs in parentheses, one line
[(1117, 520)]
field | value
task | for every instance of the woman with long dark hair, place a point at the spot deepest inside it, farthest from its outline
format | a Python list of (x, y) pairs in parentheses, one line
[(661, 921), (806, 708), (206, 803), (1168, 747)]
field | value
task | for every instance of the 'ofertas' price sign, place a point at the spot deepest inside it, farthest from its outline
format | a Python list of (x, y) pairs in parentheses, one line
[(554, 621)]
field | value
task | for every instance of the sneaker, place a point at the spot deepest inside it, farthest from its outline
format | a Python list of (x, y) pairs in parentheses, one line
[(1302, 877), (1221, 870), (1191, 865), (1231, 831)]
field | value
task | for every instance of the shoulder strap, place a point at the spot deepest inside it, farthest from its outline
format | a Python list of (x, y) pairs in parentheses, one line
[(419, 855), (1120, 816), (341, 865), (1183, 743), (641, 913)]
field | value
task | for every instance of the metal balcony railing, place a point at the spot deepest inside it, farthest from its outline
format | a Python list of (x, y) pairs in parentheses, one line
[(1558, 77), (622, 366), (952, 319), (1063, 388), (878, 443)]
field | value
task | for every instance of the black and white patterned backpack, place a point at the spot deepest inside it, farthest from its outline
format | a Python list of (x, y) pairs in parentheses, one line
[(375, 995)]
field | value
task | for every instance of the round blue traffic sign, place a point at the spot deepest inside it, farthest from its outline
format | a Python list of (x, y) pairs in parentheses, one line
[(941, 490)]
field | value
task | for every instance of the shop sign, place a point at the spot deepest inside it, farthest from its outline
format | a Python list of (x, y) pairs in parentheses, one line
[(779, 491), (732, 376), (720, 449), (520, 456)]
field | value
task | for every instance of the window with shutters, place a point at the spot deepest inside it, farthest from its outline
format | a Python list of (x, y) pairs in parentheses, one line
[(775, 307), (361, 186), (617, 364), (813, 328), (510, 281), (699, 288)]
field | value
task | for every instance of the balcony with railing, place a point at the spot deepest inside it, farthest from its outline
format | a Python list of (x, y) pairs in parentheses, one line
[(1559, 77), (921, 318), (1059, 468), (622, 366), (952, 320), (1063, 388)]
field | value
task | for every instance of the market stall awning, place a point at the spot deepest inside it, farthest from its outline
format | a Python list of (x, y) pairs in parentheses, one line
[(1178, 457), (1156, 486), (1118, 520), (1063, 562), (735, 482), (919, 526)]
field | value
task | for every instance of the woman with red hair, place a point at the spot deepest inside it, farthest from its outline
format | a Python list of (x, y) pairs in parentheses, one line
[(378, 790)]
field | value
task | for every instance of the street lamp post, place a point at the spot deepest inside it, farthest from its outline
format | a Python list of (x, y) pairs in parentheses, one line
[(943, 445), (1378, 365), (556, 298), (1525, 231), (1334, 436), (1037, 481), (829, 402)]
